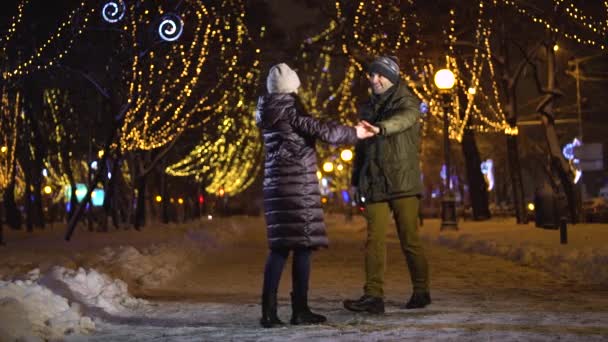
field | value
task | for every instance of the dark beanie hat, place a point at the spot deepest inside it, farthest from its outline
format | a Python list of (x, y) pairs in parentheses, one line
[(386, 66)]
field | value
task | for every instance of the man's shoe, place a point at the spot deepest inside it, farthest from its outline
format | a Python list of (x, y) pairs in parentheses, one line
[(369, 304), (418, 300)]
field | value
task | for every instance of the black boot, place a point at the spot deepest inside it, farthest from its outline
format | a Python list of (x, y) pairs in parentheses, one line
[(269, 312), (418, 300), (367, 303), (301, 313)]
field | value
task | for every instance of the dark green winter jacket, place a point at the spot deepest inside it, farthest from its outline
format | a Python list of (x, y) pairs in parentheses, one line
[(386, 166)]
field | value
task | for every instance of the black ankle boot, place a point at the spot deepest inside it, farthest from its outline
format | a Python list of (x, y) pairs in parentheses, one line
[(269, 312), (367, 303), (301, 313), (418, 300)]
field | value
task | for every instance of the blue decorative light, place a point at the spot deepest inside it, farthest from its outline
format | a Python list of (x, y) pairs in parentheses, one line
[(568, 150), (171, 27), (487, 168), (424, 107), (345, 196), (113, 11), (97, 197)]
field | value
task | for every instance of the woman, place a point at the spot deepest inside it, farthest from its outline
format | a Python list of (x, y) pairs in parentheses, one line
[(292, 200)]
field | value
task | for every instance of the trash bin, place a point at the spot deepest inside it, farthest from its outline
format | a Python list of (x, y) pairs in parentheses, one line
[(546, 208)]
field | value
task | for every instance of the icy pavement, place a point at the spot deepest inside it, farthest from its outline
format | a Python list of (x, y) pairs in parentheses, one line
[(441, 322)]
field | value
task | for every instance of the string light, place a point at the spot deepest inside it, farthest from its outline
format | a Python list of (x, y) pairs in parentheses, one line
[(229, 155), (42, 58), (11, 105), (591, 27)]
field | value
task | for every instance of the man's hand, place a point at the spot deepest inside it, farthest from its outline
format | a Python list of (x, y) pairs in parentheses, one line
[(370, 127), (364, 132)]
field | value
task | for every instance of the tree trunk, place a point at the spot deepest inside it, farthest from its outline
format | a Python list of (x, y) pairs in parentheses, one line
[(1, 225), (28, 201), (478, 189), (517, 186), (13, 215), (67, 168), (558, 162), (516, 180), (164, 207), (140, 209), (33, 154), (109, 201)]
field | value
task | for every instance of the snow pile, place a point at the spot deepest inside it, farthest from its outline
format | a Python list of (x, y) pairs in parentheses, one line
[(97, 293), (588, 263), (155, 265), (31, 311)]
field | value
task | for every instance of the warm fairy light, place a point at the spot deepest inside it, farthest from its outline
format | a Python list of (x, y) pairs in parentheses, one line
[(555, 47), (512, 131), (47, 190), (328, 166), (346, 155), (158, 198)]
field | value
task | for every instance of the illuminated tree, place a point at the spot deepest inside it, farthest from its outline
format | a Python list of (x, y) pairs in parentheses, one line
[(511, 48), (10, 111), (22, 57), (472, 41), (168, 88), (228, 155)]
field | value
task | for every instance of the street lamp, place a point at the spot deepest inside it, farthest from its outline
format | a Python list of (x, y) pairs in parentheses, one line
[(445, 80)]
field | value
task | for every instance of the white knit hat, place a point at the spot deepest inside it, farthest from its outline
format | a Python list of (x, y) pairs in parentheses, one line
[(282, 79)]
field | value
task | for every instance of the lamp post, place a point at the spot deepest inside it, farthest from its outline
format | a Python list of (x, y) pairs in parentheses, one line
[(444, 80)]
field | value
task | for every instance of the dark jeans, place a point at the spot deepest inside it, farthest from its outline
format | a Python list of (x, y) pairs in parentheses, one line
[(300, 270)]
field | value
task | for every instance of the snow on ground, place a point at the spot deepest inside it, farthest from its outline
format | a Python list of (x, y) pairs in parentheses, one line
[(584, 257), (32, 311), (202, 284), (153, 266)]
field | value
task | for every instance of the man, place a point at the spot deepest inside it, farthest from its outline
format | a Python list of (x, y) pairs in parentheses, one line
[(387, 176)]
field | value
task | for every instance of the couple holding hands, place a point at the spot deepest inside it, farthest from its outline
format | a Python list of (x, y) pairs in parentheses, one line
[(386, 172)]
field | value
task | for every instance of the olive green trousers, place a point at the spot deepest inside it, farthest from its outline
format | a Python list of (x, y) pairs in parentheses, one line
[(405, 213)]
